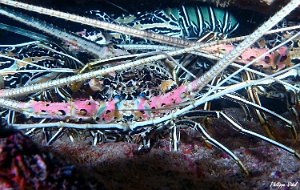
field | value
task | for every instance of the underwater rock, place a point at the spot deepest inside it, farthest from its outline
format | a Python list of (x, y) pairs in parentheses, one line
[(23, 165)]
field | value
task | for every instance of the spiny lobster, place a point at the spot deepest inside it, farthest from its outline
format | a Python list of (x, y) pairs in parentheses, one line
[(175, 105)]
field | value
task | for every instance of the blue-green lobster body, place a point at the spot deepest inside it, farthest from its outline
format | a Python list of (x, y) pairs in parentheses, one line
[(189, 22)]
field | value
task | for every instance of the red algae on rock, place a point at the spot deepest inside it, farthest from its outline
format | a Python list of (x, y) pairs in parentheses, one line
[(23, 165)]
